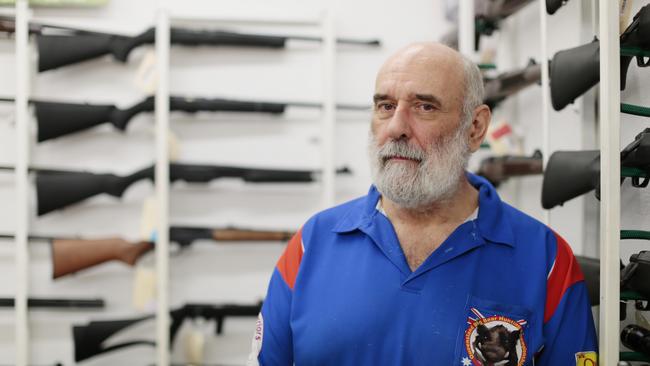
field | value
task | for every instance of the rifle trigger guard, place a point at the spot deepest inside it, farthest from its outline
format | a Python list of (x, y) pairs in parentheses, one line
[(639, 182), (643, 61)]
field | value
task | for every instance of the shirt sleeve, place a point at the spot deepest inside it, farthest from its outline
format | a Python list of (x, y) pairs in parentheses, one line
[(273, 341), (569, 332)]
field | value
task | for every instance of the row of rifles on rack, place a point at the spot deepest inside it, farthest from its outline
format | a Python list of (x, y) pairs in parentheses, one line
[(56, 189), (569, 174)]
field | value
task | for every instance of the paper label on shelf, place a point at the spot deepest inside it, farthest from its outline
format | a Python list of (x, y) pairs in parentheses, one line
[(146, 77), (144, 289)]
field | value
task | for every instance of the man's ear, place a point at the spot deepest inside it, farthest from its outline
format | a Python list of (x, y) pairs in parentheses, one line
[(478, 129)]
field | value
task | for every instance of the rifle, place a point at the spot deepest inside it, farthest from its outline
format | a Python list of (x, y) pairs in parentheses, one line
[(56, 303), (73, 255), (487, 16), (508, 83), (61, 46), (576, 70), (57, 119), (89, 339), (553, 5), (570, 174), (497, 169), (56, 189)]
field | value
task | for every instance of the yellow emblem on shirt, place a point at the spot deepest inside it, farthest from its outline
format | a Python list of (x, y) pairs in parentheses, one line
[(586, 359)]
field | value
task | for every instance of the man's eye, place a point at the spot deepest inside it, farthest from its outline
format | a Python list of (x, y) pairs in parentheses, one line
[(385, 107), (426, 107)]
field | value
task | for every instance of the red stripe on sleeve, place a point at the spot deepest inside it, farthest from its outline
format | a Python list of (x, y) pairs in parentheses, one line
[(290, 260), (565, 273)]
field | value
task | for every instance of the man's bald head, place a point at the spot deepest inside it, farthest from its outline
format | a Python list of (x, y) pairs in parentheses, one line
[(457, 76)]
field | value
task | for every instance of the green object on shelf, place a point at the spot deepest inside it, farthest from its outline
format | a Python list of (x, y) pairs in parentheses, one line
[(635, 234), (634, 51), (485, 145), (632, 295), (487, 66), (633, 356), (636, 110), (59, 3), (629, 172)]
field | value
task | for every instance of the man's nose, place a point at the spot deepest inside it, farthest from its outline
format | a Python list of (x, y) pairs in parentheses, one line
[(399, 124)]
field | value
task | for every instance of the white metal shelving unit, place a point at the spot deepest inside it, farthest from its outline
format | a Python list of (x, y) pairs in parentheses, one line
[(22, 182), (324, 22), (610, 191)]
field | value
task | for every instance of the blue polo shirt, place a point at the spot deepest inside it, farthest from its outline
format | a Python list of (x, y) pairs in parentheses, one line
[(502, 289)]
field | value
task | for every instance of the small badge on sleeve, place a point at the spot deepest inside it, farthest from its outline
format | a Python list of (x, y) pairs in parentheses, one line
[(586, 358)]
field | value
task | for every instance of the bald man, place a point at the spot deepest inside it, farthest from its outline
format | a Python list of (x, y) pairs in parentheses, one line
[(430, 267)]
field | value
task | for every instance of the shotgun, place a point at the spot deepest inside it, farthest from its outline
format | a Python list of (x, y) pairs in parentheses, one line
[(56, 119), (73, 255), (56, 303), (570, 174), (511, 82), (89, 338), (487, 16), (60, 46), (574, 71), (497, 169), (56, 189)]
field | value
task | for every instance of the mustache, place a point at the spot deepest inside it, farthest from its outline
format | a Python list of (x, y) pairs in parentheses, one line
[(400, 149)]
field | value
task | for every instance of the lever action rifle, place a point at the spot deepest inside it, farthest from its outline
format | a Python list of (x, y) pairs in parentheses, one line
[(56, 189), (56, 303), (73, 255), (570, 174), (574, 71), (487, 16), (61, 46), (89, 339), (57, 119), (497, 169), (509, 83)]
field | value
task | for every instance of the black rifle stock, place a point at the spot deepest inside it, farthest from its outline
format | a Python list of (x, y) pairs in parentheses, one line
[(487, 16), (73, 255), (509, 83), (72, 46), (56, 119), (89, 339), (570, 174), (497, 169), (56, 303), (58, 189), (574, 71), (553, 5)]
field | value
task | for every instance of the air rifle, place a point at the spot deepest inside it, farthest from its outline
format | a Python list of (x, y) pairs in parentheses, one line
[(497, 169), (89, 339), (487, 16), (576, 70), (56, 303), (61, 46), (509, 83), (73, 255), (57, 119), (56, 189), (570, 174)]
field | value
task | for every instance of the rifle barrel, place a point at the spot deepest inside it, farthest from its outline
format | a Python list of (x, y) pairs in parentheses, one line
[(30, 237), (370, 42)]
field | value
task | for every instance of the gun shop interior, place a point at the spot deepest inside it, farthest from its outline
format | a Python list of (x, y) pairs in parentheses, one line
[(168, 169)]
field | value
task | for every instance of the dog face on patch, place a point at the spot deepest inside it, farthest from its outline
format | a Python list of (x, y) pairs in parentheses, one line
[(496, 345)]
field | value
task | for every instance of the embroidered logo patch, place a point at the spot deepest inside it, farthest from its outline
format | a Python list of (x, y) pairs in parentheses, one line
[(586, 359), (494, 340)]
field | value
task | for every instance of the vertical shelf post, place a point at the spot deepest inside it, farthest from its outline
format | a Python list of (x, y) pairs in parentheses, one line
[(328, 115), (162, 186), (22, 182), (610, 172)]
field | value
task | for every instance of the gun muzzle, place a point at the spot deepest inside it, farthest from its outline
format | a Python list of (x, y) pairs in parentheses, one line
[(570, 174)]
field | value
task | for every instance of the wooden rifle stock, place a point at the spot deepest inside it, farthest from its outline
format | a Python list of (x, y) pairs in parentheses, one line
[(73, 255), (232, 234)]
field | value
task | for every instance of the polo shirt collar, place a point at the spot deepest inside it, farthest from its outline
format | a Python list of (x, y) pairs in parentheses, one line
[(492, 222)]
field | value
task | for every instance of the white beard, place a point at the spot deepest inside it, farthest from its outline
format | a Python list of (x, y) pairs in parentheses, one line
[(434, 177)]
